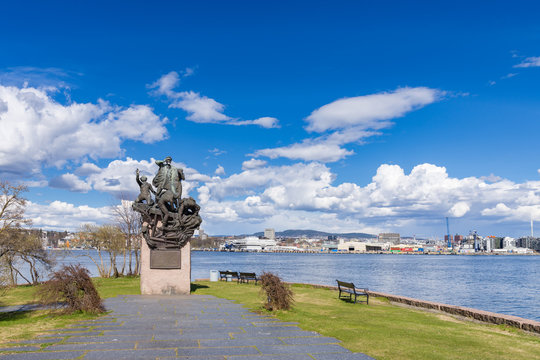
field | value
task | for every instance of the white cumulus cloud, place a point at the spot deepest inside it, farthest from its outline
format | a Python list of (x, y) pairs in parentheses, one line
[(529, 62), (70, 182), (459, 209), (351, 120), (252, 164), (200, 108), (38, 131), (371, 111)]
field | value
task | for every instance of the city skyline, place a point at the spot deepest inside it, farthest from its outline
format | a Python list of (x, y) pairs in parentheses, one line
[(342, 117)]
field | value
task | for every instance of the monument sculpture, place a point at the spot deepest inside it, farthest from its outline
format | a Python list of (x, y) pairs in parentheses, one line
[(168, 223)]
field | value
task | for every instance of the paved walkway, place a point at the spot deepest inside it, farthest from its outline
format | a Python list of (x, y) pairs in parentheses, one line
[(181, 327)]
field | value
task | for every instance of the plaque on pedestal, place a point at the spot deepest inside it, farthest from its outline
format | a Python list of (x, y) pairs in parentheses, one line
[(165, 259)]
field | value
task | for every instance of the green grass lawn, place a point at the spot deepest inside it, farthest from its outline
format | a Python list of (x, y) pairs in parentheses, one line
[(387, 331), (381, 330), (27, 324)]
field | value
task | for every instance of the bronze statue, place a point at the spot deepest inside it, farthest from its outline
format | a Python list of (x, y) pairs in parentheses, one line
[(169, 187), (146, 189), (170, 221)]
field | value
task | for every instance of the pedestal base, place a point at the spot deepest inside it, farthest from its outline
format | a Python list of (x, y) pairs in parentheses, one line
[(165, 281)]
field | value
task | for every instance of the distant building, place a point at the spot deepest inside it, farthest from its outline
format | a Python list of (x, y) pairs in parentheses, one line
[(529, 243), (356, 246), (250, 243), (270, 234), (458, 239), (332, 237), (446, 239), (393, 238), (509, 243), (202, 235)]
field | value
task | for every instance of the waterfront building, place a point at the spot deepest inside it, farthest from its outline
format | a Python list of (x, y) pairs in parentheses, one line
[(393, 238), (250, 243), (270, 233), (509, 243), (529, 242), (356, 246)]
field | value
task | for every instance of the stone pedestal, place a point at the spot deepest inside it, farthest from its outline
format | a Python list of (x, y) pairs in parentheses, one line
[(163, 281)]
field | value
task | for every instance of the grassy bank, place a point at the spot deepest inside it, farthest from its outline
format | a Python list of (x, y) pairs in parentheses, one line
[(386, 331), (381, 330), (27, 324)]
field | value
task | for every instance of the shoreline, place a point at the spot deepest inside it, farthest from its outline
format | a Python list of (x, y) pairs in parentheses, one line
[(365, 253)]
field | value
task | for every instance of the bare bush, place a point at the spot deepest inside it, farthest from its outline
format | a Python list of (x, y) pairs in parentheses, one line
[(278, 294), (72, 286)]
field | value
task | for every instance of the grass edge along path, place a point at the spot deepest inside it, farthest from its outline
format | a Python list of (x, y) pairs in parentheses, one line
[(22, 325), (386, 331)]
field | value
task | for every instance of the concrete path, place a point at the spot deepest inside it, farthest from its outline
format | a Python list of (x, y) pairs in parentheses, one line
[(181, 327)]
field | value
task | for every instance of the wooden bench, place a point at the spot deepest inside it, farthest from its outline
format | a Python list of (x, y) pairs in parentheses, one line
[(349, 289), (246, 277), (224, 274)]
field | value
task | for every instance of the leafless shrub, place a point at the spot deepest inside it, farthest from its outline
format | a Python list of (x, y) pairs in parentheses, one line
[(279, 296), (72, 286)]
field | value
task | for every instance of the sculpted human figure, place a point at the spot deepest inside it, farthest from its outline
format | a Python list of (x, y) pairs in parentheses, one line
[(146, 189), (169, 221), (169, 187)]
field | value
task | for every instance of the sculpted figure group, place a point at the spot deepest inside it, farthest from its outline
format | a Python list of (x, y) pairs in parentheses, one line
[(168, 221)]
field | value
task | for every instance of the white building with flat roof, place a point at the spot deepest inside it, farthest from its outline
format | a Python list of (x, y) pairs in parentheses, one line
[(270, 233), (250, 243)]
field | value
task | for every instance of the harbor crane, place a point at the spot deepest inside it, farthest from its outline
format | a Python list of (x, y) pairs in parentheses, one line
[(449, 244)]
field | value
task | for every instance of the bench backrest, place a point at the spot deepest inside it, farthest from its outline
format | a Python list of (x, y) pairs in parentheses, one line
[(251, 275), (233, 273), (345, 284)]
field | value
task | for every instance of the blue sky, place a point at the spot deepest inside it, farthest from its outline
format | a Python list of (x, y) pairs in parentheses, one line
[(342, 116)]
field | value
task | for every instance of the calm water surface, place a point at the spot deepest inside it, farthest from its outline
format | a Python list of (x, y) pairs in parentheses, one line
[(502, 284)]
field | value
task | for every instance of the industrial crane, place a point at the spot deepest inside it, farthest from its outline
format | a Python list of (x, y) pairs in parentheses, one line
[(449, 244)]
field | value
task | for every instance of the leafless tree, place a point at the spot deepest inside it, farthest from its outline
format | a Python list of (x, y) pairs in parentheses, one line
[(106, 240), (129, 222), (19, 246), (12, 206)]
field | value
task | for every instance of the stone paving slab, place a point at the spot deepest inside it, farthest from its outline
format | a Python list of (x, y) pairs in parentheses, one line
[(117, 345), (218, 357), (272, 357), (108, 338), (241, 342), (43, 355), (342, 356), (168, 344), (301, 349), (309, 340), (128, 354), (20, 348), (245, 350), (180, 327)]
